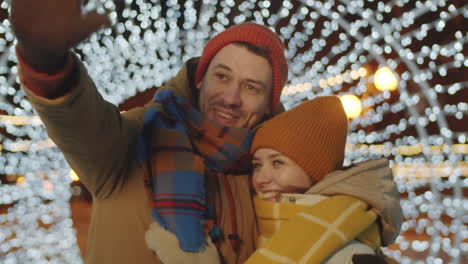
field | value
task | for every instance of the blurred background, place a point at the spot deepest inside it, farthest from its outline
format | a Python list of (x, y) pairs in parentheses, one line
[(399, 66)]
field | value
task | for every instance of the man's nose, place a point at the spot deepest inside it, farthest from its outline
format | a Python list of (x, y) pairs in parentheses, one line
[(232, 95)]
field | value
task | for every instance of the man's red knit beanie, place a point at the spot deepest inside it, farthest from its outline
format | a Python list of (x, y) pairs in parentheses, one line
[(257, 35)]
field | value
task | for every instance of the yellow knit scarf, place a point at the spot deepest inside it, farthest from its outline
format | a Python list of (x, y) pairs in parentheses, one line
[(295, 233)]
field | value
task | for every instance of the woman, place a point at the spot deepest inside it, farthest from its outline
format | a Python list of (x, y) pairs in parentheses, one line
[(309, 209)]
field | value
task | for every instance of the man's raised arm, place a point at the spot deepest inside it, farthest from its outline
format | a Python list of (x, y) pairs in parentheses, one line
[(95, 139)]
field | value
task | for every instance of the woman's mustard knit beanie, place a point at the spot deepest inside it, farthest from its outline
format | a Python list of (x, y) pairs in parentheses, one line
[(312, 134)]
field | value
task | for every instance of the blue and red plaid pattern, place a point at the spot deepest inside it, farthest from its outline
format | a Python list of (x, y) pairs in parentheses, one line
[(177, 145)]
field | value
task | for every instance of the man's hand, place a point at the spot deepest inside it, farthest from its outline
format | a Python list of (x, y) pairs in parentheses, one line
[(47, 29)]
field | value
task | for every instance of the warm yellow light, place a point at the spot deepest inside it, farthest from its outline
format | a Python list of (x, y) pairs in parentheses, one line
[(410, 150), (352, 105), (287, 90), (74, 176), (20, 180), (362, 72), (323, 83), (339, 79), (354, 75), (48, 186), (385, 80), (460, 148), (20, 120), (299, 88), (25, 145)]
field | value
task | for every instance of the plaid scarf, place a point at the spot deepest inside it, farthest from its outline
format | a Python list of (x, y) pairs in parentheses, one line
[(177, 145)]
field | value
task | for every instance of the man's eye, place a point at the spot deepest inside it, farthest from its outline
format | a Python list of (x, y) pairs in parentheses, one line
[(252, 88), (220, 76)]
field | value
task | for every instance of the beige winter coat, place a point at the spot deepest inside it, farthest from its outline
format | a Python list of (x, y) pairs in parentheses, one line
[(372, 182), (100, 143)]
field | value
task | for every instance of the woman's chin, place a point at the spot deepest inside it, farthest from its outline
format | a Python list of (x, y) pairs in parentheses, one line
[(273, 199)]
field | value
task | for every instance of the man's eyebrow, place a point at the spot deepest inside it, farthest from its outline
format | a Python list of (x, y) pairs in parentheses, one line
[(220, 65), (257, 82), (223, 66)]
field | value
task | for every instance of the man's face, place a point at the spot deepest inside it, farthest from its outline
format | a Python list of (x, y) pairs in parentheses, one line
[(235, 90)]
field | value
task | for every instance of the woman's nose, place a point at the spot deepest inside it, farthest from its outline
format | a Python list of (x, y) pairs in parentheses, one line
[(261, 177)]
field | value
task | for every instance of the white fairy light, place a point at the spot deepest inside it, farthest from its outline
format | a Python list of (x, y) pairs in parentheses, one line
[(329, 45)]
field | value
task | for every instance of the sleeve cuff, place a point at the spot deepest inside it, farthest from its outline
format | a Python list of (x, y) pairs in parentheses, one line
[(47, 85)]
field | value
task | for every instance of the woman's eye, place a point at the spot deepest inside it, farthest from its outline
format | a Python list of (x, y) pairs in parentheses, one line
[(277, 163), (256, 165)]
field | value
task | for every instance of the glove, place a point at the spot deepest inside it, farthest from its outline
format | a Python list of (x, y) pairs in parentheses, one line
[(47, 29), (166, 246)]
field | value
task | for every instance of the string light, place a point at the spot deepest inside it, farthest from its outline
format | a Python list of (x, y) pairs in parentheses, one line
[(74, 176), (385, 80), (332, 47), (352, 105)]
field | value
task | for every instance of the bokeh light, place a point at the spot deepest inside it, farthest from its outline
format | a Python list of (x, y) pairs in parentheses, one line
[(352, 105), (385, 80)]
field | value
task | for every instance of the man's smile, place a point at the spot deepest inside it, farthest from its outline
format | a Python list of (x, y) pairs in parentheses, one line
[(225, 117)]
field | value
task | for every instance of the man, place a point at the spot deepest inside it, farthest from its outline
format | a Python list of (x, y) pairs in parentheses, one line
[(236, 83)]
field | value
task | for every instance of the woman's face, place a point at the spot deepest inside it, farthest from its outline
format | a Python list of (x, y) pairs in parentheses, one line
[(274, 173)]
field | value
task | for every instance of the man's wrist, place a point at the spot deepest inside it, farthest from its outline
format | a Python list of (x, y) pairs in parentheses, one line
[(49, 84), (41, 61)]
